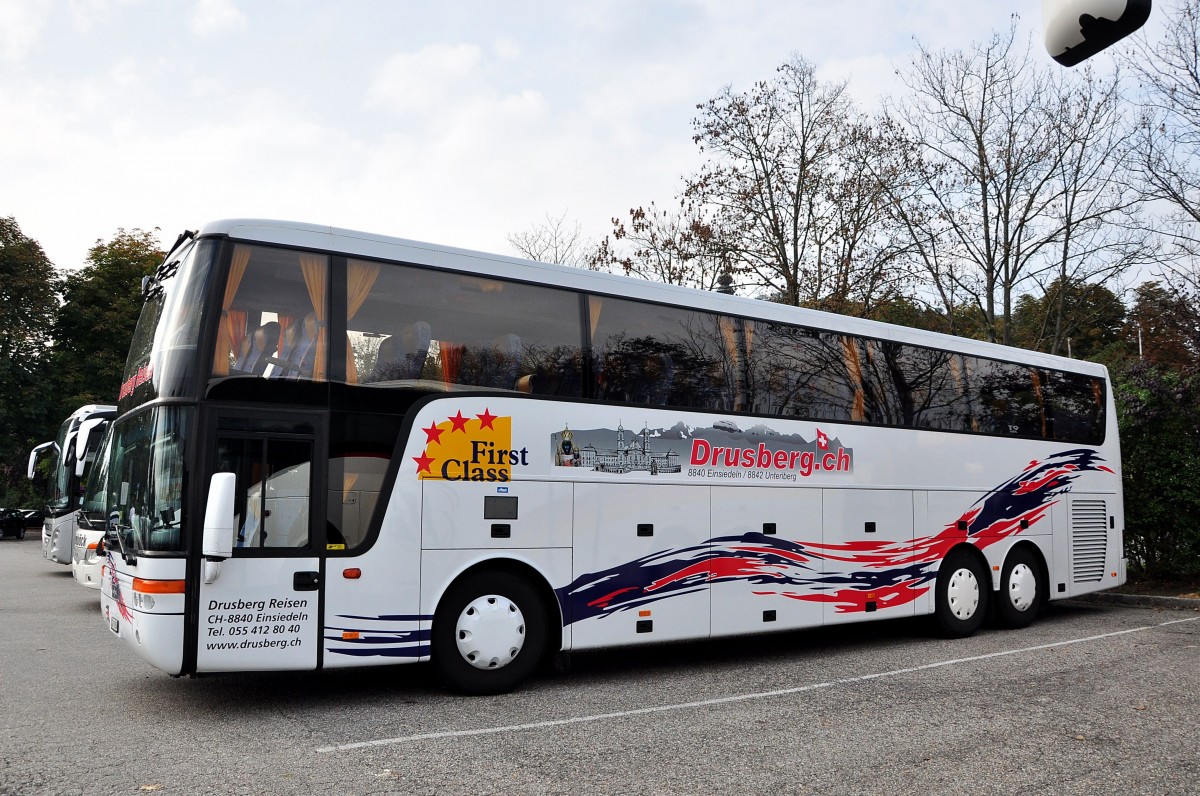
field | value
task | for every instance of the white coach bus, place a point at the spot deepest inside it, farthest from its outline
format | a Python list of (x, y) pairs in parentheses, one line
[(92, 520), (71, 455), (340, 449)]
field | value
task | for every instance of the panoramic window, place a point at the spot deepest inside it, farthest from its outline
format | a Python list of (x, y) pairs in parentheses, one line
[(906, 385), (1077, 407), (273, 315), (1010, 399), (448, 331), (666, 356), (806, 373)]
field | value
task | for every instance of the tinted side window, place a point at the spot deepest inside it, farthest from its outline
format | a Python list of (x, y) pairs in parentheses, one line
[(1076, 407), (666, 356), (418, 325), (1009, 399), (915, 387), (805, 373)]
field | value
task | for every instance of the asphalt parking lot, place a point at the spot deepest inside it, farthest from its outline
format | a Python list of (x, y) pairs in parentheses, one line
[(1093, 698)]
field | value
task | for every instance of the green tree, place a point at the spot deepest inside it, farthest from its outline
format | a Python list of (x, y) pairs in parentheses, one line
[(1071, 316), (960, 320), (27, 303), (101, 303), (1159, 414), (1164, 327)]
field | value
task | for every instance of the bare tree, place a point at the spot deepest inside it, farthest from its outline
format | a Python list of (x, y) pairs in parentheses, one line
[(556, 241), (794, 200), (672, 246), (1020, 181), (1096, 217), (985, 185), (1168, 143)]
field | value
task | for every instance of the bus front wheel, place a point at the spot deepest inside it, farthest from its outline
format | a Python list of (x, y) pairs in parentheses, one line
[(962, 594), (489, 633)]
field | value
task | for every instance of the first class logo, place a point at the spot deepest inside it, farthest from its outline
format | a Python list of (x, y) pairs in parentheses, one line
[(466, 448)]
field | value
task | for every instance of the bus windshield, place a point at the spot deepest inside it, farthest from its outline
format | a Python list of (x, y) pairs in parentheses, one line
[(92, 511), (58, 499), (145, 478), (162, 354)]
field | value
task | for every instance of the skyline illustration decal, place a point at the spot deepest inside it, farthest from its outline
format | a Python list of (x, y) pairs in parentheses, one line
[(720, 450)]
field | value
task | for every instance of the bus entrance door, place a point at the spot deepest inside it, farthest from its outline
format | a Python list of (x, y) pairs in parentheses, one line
[(262, 610)]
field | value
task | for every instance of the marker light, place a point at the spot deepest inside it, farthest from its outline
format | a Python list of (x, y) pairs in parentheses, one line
[(353, 573), (158, 586)]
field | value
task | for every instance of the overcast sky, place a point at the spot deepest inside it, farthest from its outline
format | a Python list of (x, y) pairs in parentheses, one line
[(451, 122)]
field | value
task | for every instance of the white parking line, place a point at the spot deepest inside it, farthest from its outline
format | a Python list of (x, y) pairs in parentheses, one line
[(620, 714)]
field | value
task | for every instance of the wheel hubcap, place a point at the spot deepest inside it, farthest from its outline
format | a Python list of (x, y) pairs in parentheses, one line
[(1022, 587), (490, 632), (962, 593)]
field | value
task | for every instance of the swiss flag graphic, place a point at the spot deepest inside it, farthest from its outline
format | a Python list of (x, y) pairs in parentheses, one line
[(822, 440)]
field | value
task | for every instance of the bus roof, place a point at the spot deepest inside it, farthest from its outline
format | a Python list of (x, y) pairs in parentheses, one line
[(368, 245)]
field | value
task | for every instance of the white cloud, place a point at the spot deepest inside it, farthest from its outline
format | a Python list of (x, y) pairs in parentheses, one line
[(213, 17), (443, 124), (506, 49), (434, 75), (20, 25), (86, 13)]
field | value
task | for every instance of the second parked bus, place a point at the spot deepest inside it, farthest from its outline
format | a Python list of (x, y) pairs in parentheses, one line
[(70, 456)]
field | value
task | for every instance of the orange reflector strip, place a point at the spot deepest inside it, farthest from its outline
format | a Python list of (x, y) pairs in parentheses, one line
[(353, 573), (349, 635), (643, 613), (158, 586)]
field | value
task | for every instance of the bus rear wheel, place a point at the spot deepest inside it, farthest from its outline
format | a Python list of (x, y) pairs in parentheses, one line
[(489, 633), (961, 596), (1022, 590)]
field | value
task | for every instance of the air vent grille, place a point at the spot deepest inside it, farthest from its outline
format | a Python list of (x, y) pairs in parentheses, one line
[(1089, 540)]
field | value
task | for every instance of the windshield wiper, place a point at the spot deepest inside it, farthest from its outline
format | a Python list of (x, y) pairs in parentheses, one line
[(114, 530)]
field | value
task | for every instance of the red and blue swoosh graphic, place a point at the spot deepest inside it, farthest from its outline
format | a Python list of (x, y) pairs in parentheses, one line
[(387, 636), (850, 575)]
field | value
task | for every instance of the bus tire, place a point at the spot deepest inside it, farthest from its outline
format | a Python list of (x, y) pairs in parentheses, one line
[(961, 597), (489, 633), (1022, 590)]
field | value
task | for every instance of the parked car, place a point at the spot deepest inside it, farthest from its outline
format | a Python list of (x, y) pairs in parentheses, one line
[(12, 523), (33, 517)]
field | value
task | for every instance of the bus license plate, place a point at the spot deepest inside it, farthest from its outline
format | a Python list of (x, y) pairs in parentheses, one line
[(114, 625)]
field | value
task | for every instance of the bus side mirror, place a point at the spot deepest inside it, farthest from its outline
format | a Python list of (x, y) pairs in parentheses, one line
[(35, 456), (1078, 29), (86, 442), (218, 524)]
